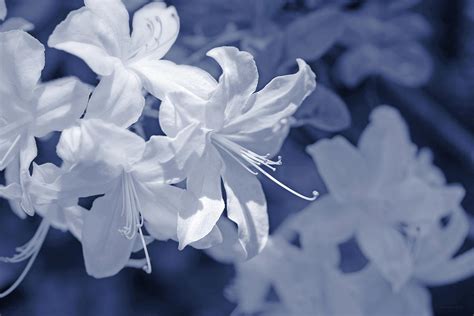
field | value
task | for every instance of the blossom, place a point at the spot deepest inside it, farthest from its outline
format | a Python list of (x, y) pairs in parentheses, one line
[(305, 279), (221, 137), (375, 195), (99, 34), (133, 178), (31, 109)]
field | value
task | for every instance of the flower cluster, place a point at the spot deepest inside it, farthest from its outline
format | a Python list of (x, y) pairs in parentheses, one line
[(225, 113), (216, 131)]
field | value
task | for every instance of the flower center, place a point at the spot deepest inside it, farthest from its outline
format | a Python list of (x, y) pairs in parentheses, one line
[(255, 163)]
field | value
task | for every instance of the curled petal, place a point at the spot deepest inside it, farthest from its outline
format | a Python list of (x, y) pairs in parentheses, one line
[(278, 100), (155, 29), (90, 38), (238, 81)]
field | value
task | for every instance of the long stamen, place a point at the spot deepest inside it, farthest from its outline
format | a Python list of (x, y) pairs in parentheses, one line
[(236, 151), (147, 268), (236, 159), (31, 250), (315, 193)]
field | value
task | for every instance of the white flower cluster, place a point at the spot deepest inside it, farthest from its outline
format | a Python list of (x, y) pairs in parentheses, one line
[(197, 183), (215, 131)]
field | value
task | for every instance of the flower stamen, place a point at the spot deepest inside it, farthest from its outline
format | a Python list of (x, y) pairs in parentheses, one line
[(30, 250), (239, 153)]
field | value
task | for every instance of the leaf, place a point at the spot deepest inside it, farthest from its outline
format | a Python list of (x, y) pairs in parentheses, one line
[(313, 35), (324, 110)]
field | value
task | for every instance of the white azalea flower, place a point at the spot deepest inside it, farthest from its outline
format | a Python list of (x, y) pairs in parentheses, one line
[(31, 109), (134, 179), (306, 281), (222, 138), (375, 195), (99, 34)]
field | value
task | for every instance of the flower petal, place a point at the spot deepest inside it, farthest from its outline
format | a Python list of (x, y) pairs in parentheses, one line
[(204, 181), (106, 251), (326, 221), (16, 24), (59, 104), (155, 29), (89, 37), (162, 76), (247, 207), (278, 100), (386, 146), (115, 14), (388, 250), (21, 63), (80, 144), (117, 99), (342, 168), (238, 81), (28, 152)]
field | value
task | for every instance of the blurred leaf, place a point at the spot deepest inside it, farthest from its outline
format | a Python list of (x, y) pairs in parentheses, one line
[(313, 35), (357, 64), (407, 64), (324, 110)]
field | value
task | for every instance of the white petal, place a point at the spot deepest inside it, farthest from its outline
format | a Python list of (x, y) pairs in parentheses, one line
[(159, 205), (106, 250), (115, 14), (117, 99), (342, 168), (11, 191), (247, 207), (59, 104), (21, 63), (204, 181), (162, 76), (386, 146), (388, 250), (28, 152), (16, 24), (238, 80), (90, 38), (98, 141), (278, 100), (155, 29), (327, 220)]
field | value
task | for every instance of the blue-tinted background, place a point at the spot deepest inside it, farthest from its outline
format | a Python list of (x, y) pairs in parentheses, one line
[(440, 116)]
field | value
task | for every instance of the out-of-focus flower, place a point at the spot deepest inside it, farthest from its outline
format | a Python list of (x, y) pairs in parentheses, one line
[(99, 34), (375, 195), (31, 109), (219, 138), (305, 281), (134, 180), (382, 39), (12, 23)]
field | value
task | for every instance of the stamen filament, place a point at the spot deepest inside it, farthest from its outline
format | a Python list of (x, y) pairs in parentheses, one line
[(36, 242), (236, 151)]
